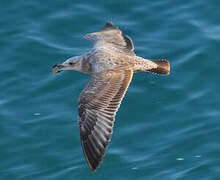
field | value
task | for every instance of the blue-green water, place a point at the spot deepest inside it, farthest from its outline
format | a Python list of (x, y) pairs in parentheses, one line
[(167, 128)]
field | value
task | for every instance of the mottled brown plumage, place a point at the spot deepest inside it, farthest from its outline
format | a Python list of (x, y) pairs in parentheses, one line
[(111, 64)]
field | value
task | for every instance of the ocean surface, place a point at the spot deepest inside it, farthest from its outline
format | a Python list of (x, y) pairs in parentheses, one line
[(168, 127)]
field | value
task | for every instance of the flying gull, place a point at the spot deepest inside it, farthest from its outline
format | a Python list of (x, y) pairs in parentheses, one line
[(111, 63)]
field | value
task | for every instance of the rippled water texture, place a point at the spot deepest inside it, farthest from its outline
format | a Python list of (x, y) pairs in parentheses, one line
[(167, 127)]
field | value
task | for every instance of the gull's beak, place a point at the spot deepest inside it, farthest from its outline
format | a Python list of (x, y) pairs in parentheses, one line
[(88, 36), (57, 68)]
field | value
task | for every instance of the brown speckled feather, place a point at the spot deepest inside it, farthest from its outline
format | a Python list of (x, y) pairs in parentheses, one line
[(98, 104)]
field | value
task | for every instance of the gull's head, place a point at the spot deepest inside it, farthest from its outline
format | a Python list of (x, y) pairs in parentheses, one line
[(73, 63)]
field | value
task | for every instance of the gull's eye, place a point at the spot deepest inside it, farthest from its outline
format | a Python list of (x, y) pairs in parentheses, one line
[(71, 63)]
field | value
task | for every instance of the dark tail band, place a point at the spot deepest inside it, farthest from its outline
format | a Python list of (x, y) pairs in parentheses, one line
[(163, 67)]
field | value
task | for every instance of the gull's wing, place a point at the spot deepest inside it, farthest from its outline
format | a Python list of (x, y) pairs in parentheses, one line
[(112, 36), (98, 104)]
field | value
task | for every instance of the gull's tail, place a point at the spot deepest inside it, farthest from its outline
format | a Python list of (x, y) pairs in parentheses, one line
[(163, 67)]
